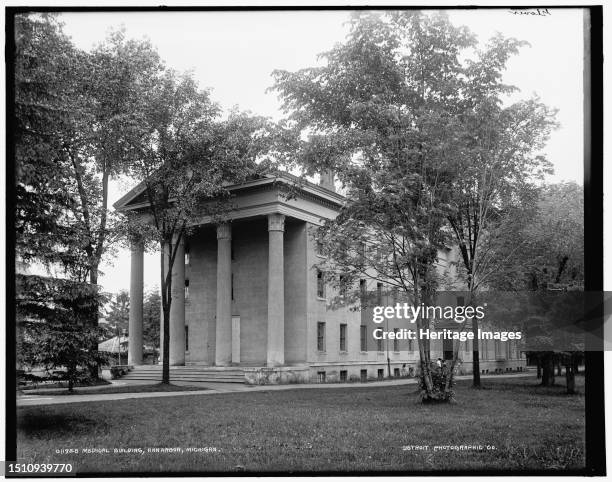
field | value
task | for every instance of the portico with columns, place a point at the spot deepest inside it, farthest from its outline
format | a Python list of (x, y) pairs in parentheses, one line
[(241, 295)]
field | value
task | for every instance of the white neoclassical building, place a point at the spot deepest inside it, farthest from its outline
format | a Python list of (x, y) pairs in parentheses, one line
[(249, 301)]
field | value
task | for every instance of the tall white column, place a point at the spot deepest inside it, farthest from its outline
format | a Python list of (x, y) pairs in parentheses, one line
[(223, 348), (276, 291), (136, 299), (177, 307)]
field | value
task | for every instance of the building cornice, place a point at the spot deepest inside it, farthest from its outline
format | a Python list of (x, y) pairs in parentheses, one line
[(303, 189)]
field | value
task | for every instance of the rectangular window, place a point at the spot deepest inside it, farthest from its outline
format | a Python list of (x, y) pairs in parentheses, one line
[(517, 351), (381, 373), (343, 375), (379, 293), (363, 375), (320, 284), (321, 336), (362, 286), (363, 337), (447, 346), (410, 345), (343, 337), (395, 340), (363, 291), (342, 283), (186, 337), (186, 289), (379, 345), (319, 247), (509, 349), (396, 372), (498, 349), (321, 377)]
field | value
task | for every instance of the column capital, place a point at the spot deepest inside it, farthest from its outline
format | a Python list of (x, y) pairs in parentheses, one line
[(276, 222), (136, 243), (224, 231)]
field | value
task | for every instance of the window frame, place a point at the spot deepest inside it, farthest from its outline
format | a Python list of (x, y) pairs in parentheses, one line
[(363, 338), (396, 347), (321, 336), (321, 292)]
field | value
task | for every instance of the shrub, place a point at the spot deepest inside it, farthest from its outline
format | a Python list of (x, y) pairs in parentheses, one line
[(439, 393)]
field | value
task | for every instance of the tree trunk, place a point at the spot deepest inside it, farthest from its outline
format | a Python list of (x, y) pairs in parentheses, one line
[(424, 356), (94, 368), (71, 373), (475, 356), (166, 348), (570, 379), (548, 372), (166, 283)]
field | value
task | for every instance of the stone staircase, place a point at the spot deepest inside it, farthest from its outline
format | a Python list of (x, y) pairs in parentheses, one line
[(187, 373)]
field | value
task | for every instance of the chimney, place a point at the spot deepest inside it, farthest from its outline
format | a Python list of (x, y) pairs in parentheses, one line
[(327, 180)]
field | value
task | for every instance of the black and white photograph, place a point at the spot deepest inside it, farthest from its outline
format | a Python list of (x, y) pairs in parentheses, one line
[(304, 240)]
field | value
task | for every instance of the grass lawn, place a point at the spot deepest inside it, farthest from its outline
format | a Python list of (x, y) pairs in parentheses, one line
[(156, 387), (354, 429)]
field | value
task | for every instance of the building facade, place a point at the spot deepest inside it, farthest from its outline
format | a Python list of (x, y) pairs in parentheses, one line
[(248, 293)]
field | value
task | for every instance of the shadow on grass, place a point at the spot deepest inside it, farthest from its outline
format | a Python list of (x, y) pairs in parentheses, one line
[(157, 387), (57, 424), (536, 388)]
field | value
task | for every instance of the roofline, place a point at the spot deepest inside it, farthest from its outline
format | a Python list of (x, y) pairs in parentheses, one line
[(284, 177)]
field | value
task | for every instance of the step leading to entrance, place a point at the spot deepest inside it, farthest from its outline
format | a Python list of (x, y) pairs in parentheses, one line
[(188, 374)]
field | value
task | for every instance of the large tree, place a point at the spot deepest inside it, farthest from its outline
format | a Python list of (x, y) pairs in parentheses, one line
[(54, 328), (113, 81), (44, 95), (78, 116), (550, 257), (382, 113), (496, 175), (188, 157)]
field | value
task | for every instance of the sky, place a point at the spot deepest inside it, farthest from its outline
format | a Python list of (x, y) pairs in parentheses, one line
[(234, 53)]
